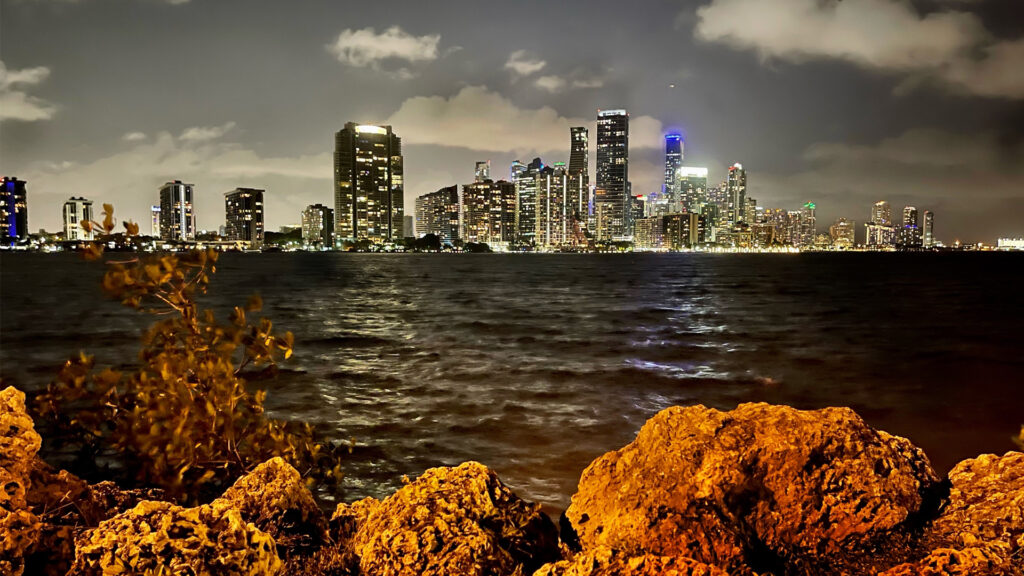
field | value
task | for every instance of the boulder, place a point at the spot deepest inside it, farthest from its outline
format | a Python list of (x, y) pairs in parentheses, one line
[(348, 518), (275, 499), (974, 561), (606, 562), (460, 520), (156, 538), (759, 489), (19, 443)]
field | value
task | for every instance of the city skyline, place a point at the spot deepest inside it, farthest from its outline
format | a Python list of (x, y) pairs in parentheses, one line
[(845, 126)]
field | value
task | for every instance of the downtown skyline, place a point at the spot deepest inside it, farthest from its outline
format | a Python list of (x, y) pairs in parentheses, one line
[(844, 129)]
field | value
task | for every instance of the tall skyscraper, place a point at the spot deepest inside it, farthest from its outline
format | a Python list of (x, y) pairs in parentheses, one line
[(409, 228), (808, 224), (489, 213), (556, 206), (76, 211), (842, 233), (517, 170), (154, 221), (673, 161), (910, 230), (437, 213), (880, 231), (318, 226), (736, 191), (527, 184), (483, 171), (369, 194), (611, 196), (691, 184), (243, 212), (13, 211), (177, 217), (579, 174), (928, 240)]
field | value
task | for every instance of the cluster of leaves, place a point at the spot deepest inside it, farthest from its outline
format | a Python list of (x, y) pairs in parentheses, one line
[(183, 419)]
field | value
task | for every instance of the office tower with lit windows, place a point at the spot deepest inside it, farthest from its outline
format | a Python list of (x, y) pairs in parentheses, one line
[(13, 211), (243, 216), (842, 233), (928, 224), (154, 221), (808, 224), (369, 194), (880, 231), (437, 213), (579, 174), (910, 231), (736, 194), (556, 207), (517, 169), (673, 162), (483, 171), (177, 217), (691, 184), (527, 183), (611, 198), (76, 211), (318, 226), (489, 213)]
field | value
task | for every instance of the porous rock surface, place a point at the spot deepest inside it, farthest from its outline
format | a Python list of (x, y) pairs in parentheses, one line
[(607, 562), (19, 443), (759, 489), (460, 520)]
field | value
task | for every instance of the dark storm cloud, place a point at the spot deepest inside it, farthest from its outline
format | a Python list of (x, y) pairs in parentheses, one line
[(843, 103)]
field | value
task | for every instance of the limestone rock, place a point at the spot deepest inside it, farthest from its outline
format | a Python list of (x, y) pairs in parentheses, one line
[(157, 538), (459, 520), (975, 561), (19, 443), (275, 499), (758, 489), (606, 562), (348, 518)]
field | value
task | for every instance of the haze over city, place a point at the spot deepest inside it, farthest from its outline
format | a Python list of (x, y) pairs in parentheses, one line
[(842, 104)]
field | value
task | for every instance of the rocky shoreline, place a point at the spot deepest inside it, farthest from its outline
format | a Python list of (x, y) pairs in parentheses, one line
[(757, 490)]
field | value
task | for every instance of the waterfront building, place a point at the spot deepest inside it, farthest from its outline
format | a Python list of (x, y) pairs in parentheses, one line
[(438, 213), (736, 194), (794, 228), (76, 211), (177, 217), (691, 189), (611, 197), (879, 230), (648, 233), (808, 225), (483, 171), (910, 231), (318, 226), (556, 206), (579, 174), (13, 211), (683, 231), (243, 216), (490, 213), (517, 170), (409, 226), (927, 229), (527, 184), (154, 221), (842, 233), (1010, 243), (673, 162), (369, 194)]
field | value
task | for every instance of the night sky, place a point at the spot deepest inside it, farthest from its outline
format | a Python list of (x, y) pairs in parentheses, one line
[(841, 103)]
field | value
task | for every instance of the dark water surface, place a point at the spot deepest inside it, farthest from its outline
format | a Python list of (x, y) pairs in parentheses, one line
[(535, 365)]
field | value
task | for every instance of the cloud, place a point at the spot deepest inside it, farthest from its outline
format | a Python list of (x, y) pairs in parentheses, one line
[(134, 136), (556, 84), (523, 64), (479, 119), (205, 133), (15, 102), (366, 48), (130, 179), (550, 83), (886, 35)]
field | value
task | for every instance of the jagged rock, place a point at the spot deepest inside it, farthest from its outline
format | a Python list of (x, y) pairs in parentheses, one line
[(157, 538), (760, 488), (275, 499), (606, 562), (459, 520), (19, 443), (975, 561), (348, 518)]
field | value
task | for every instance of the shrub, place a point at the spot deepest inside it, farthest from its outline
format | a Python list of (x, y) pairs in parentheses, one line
[(183, 419)]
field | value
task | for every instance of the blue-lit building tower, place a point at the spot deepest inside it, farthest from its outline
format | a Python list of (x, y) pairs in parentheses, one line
[(13, 211), (673, 161)]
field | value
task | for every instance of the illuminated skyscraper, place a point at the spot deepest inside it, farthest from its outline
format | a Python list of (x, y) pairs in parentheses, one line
[(808, 225), (489, 213), (13, 211), (76, 211), (842, 233), (518, 168), (437, 213), (483, 171), (243, 211), (527, 183), (910, 231), (154, 221), (880, 231), (928, 240), (736, 193), (177, 217), (579, 174), (369, 194), (611, 197), (692, 187), (673, 161), (556, 206), (318, 226)]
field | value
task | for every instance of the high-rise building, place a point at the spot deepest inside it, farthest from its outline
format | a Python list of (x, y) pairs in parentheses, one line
[(409, 228), (437, 213), (483, 171), (736, 194), (243, 216), (881, 214), (842, 233), (318, 226), (579, 174), (13, 211), (76, 211), (527, 184), (808, 225), (556, 207), (928, 240), (517, 170), (611, 197), (154, 221), (490, 213), (691, 184), (683, 231), (177, 217), (673, 161), (910, 231), (880, 231), (369, 194)]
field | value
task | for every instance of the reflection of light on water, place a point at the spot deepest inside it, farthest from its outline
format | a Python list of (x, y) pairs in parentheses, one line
[(681, 370)]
